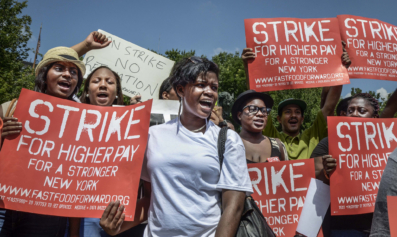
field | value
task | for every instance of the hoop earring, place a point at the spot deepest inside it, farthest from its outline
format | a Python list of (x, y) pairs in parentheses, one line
[(86, 95), (117, 97)]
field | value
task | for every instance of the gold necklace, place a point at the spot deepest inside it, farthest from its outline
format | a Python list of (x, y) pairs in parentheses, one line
[(198, 130)]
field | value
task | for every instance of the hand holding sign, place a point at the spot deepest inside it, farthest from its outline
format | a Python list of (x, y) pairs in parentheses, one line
[(361, 147), (293, 53), (72, 159), (112, 218), (141, 71), (11, 127)]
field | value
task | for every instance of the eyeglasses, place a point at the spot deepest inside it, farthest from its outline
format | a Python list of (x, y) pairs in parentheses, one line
[(195, 59), (253, 109)]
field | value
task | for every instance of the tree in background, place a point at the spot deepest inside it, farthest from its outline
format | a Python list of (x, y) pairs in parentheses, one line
[(231, 73), (14, 36), (176, 55), (233, 80)]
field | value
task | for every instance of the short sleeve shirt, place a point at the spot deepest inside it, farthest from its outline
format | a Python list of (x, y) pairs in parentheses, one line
[(301, 146), (184, 171)]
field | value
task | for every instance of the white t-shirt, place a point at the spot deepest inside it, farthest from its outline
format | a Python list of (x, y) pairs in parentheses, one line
[(183, 168)]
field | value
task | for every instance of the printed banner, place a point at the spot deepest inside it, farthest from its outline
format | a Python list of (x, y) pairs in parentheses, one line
[(392, 211), (141, 71), (294, 53), (280, 190), (372, 47), (361, 147), (72, 159)]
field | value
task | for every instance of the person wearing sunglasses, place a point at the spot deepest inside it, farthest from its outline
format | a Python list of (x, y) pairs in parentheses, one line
[(251, 110), (190, 194)]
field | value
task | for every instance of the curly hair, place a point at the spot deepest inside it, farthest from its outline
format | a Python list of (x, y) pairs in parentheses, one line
[(86, 100), (41, 80), (371, 100), (188, 69)]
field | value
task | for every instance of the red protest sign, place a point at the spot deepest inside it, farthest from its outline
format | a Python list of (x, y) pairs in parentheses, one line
[(280, 190), (72, 159), (294, 53), (361, 147), (372, 47), (392, 212)]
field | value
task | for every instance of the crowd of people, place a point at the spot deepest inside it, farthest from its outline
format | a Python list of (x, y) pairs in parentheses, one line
[(183, 191)]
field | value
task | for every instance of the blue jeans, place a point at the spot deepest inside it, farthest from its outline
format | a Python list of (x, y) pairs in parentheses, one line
[(89, 227), (348, 233), (21, 224)]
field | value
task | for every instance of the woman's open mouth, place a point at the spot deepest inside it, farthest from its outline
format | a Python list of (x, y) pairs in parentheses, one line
[(64, 86), (102, 97), (206, 104)]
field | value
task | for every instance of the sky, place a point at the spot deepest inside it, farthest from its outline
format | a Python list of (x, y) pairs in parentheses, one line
[(208, 27)]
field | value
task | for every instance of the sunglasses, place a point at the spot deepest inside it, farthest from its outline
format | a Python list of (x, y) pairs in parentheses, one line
[(253, 109)]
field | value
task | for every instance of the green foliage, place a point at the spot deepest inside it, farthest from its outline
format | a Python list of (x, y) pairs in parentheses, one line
[(233, 80), (14, 36), (176, 55), (311, 96), (231, 73)]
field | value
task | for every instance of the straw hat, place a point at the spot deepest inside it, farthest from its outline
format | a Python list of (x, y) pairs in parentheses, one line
[(63, 54)]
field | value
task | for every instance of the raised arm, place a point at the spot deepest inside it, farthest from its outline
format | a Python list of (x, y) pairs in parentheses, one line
[(247, 55), (324, 94), (94, 40), (391, 106), (331, 101)]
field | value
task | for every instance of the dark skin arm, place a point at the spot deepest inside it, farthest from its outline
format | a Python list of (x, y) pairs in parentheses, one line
[(331, 101), (324, 161), (112, 220), (232, 206), (324, 94), (391, 106), (94, 40), (11, 127), (74, 227), (346, 62), (247, 55)]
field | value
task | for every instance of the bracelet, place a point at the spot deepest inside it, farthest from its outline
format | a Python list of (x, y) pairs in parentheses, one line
[(325, 174)]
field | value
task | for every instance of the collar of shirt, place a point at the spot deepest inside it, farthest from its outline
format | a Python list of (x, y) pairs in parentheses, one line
[(290, 139)]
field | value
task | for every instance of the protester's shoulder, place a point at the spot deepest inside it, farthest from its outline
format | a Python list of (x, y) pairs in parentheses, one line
[(393, 155), (232, 136), (321, 149)]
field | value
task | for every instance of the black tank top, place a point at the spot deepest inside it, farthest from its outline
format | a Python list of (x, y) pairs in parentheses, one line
[(274, 152)]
